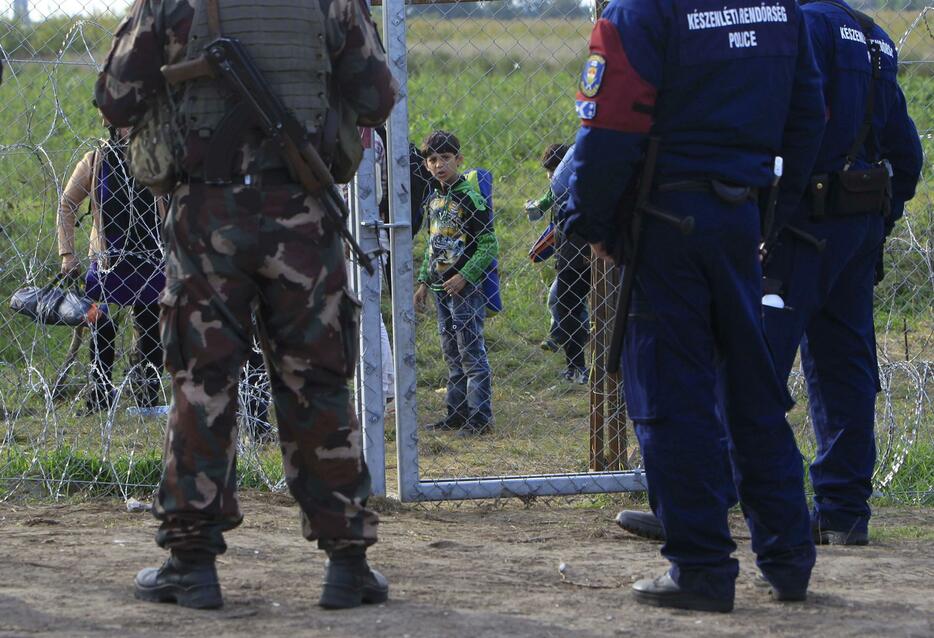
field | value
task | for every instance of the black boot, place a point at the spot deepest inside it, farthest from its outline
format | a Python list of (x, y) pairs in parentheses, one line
[(781, 595), (188, 582), (664, 592), (349, 581), (642, 524), (825, 536)]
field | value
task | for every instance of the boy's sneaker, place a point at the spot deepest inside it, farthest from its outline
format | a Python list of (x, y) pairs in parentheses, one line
[(550, 345), (580, 376), (470, 430)]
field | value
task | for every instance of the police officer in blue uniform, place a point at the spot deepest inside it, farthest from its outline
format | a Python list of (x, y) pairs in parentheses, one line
[(828, 293), (727, 86)]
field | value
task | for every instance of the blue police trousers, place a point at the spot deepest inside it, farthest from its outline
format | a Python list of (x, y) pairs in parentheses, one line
[(830, 296), (697, 369)]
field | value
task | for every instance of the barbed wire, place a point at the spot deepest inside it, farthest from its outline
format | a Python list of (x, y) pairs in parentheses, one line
[(505, 85)]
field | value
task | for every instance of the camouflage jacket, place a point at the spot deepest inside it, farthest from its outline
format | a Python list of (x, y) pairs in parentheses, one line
[(155, 33)]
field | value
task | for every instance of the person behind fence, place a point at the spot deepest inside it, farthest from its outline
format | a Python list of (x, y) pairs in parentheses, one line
[(126, 267), (823, 257), (567, 297), (536, 209), (572, 282), (721, 97), (460, 249), (254, 234)]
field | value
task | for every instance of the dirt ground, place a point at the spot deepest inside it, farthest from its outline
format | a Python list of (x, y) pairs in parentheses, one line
[(472, 571)]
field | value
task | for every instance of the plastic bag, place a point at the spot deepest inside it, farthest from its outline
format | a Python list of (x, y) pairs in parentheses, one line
[(52, 305)]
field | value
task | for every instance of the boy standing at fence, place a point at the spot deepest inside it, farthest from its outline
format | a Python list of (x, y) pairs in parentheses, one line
[(461, 248)]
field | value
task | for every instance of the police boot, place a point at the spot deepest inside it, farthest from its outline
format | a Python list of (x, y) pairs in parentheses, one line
[(824, 536), (778, 594), (188, 579), (665, 592), (349, 581), (642, 524)]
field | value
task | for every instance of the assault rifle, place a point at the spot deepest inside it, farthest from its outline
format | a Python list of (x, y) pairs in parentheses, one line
[(227, 60), (628, 256)]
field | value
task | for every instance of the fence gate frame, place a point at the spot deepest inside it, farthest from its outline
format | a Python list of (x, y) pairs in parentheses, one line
[(411, 486)]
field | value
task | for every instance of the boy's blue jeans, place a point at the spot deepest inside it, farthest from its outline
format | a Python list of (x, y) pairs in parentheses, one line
[(460, 324)]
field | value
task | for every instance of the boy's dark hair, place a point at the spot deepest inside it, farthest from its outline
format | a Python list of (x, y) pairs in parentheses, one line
[(553, 155), (441, 142)]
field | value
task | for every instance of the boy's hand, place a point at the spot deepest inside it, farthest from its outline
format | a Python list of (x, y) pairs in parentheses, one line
[(421, 295), (455, 284), (533, 210)]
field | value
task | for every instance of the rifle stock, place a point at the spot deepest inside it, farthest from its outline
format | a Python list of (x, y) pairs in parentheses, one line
[(187, 71)]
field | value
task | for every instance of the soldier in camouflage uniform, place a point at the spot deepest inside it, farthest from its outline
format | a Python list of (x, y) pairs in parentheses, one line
[(256, 239)]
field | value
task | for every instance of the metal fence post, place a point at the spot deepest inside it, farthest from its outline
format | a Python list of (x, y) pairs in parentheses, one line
[(369, 384), (403, 312)]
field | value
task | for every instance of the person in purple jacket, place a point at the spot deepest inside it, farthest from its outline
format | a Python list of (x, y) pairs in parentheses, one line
[(126, 264), (727, 86)]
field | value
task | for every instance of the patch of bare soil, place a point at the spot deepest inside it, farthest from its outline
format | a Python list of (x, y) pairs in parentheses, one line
[(67, 570)]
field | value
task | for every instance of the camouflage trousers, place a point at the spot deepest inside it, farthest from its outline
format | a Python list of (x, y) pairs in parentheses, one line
[(232, 249)]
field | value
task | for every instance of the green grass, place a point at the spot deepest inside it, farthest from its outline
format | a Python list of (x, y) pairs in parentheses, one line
[(67, 471), (507, 90), (900, 533)]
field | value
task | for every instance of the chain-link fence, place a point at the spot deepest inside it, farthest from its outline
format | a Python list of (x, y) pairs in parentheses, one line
[(501, 76), (83, 406)]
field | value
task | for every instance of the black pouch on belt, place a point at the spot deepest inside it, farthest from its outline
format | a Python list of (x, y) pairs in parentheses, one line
[(850, 192), (859, 192)]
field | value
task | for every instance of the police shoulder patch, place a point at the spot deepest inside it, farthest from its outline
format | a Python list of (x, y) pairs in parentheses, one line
[(592, 75), (586, 109)]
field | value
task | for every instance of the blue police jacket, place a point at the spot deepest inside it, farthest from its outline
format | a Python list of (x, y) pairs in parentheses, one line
[(561, 183), (842, 55), (727, 85)]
